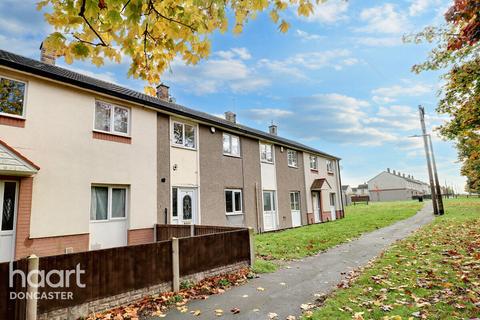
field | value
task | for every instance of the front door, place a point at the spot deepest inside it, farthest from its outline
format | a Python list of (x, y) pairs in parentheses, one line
[(269, 211), (295, 207), (8, 212), (332, 206), (185, 206), (316, 205)]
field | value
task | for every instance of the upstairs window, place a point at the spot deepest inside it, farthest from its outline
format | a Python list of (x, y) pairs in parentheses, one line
[(313, 163), (266, 152), (12, 97), (233, 202), (330, 166), (184, 135), (111, 118), (292, 158), (231, 145)]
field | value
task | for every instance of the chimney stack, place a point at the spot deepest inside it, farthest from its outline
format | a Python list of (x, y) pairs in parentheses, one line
[(231, 117), (162, 92), (46, 57), (388, 170), (394, 172), (273, 129), (403, 175)]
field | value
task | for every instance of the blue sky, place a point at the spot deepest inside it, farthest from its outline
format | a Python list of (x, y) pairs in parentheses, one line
[(339, 81)]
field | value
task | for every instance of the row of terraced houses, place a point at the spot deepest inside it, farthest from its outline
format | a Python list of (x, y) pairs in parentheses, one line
[(86, 164)]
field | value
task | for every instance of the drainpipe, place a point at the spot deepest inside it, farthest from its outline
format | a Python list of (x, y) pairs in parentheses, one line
[(340, 186)]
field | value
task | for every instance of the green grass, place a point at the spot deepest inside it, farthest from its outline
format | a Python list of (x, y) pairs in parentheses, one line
[(309, 240), (433, 274), (263, 266)]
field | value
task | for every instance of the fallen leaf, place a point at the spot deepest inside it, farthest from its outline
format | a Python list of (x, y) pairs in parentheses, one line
[(235, 311)]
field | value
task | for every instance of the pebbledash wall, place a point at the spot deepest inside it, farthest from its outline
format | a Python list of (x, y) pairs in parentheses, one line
[(57, 135)]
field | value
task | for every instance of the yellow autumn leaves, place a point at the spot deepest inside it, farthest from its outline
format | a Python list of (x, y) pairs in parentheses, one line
[(151, 33)]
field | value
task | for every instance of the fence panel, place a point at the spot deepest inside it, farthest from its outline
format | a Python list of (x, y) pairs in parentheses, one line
[(202, 253), (202, 229), (108, 272), (169, 231), (12, 309)]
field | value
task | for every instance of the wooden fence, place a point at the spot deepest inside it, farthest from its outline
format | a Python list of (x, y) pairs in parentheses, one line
[(12, 309), (169, 231), (114, 271)]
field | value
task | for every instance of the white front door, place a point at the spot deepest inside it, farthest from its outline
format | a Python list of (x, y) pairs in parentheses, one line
[(108, 217), (332, 206), (269, 211), (184, 206), (295, 207), (8, 212), (316, 206)]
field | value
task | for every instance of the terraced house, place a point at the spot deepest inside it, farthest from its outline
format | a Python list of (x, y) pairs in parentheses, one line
[(86, 164)]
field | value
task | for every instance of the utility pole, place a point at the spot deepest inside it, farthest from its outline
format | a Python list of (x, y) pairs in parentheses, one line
[(435, 175), (421, 111)]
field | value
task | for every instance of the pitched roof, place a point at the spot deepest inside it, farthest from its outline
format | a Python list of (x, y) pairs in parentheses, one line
[(13, 162), (38, 68), (345, 187), (363, 186), (317, 184)]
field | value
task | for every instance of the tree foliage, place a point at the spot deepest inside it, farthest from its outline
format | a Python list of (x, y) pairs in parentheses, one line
[(151, 33), (458, 51)]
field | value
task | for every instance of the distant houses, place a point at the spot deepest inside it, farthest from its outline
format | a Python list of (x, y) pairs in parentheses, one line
[(393, 186), (389, 185)]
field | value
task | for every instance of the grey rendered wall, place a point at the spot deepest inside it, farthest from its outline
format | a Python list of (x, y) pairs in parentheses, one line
[(219, 172), (163, 168), (289, 179), (391, 195)]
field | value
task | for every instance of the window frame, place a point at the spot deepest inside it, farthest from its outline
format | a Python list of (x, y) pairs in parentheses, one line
[(112, 119), (329, 164), (296, 158), (230, 138), (235, 212), (110, 218), (195, 132), (272, 153), (316, 163), (25, 94)]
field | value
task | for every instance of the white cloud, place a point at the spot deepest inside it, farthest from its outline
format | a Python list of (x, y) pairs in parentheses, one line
[(329, 12), (382, 100), (408, 89), (418, 7), (383, 19), (296, 64), (268, 113), (226, 71), (305, 36)]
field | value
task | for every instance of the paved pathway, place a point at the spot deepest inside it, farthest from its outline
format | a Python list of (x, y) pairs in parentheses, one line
[(317, 274)]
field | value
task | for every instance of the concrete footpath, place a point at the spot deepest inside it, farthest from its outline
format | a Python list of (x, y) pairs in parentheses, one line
[(288, 288)]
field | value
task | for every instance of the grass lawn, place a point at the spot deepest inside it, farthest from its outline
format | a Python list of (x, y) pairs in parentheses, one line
[(433, 274), (309, 240)]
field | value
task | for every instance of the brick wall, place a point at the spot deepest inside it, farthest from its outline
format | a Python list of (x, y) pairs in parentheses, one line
[(140, 236)]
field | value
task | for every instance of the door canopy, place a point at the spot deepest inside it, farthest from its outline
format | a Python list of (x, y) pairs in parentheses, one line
[(13, 163), (320, 184)]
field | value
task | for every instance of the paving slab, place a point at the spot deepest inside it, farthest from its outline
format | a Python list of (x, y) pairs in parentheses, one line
[(288, 288)]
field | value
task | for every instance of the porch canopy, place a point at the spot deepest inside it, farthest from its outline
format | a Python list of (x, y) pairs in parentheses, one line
[(320, 184), (13, 163)]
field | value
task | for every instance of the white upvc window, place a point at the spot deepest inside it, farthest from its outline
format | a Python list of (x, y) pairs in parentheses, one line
[(330, 168), (266, 152), (292, 158), (233, 201), (231, 145), (111, 118), (295, 200), (184, 135), (12, 97), (108, 203), (313, 163)]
